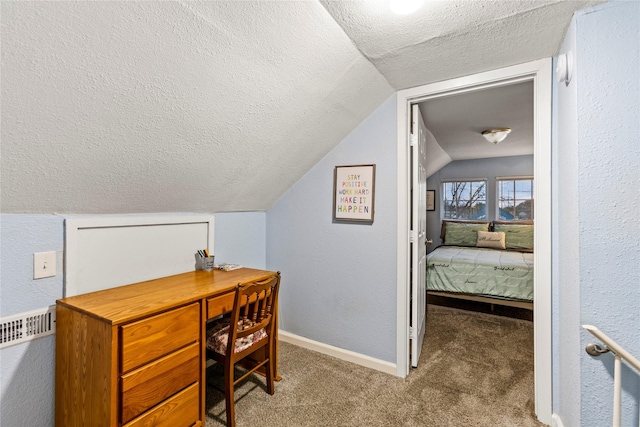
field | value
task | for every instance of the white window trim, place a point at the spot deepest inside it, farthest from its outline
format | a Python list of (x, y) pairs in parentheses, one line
[(497, 201), (505, 178), (444, 181)]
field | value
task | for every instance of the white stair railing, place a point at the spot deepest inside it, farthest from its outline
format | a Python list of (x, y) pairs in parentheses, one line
[(619, 353)]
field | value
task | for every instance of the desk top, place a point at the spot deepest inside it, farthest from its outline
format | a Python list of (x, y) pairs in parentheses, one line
[(129, 302)]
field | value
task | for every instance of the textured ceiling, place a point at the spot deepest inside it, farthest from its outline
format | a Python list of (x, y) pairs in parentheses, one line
[(451, 38), (116, 107)]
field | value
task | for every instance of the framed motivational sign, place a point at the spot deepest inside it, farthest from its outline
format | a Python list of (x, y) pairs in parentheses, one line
[(354, 193)]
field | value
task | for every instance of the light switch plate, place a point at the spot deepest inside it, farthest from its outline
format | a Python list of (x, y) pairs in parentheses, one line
[(44, 264)]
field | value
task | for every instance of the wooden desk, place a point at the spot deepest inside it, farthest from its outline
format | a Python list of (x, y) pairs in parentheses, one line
[(135, 355)]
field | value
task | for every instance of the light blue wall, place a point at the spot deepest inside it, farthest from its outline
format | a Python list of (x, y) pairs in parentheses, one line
[(339, 279), (598, 251), (608, 78), (27, 370), (488, 168), (565, 235), (240, 238)]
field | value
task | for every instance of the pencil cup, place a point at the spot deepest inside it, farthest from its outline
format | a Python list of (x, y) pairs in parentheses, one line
[(204, 263), (207, 263)]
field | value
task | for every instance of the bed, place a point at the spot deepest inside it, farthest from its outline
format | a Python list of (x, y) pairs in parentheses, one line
[(484, 261)]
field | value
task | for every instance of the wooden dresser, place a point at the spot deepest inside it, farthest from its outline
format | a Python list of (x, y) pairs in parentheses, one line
[(134, 355)]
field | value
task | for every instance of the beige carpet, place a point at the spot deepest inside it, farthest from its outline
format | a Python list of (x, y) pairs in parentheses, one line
[(476, 370)]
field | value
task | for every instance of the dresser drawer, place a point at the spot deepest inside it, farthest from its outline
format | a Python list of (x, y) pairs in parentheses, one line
[(156, 336), (220, 305), (151, 384), (181, 410)]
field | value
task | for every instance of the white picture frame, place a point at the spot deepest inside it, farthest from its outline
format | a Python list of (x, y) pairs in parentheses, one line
[(354, 193)]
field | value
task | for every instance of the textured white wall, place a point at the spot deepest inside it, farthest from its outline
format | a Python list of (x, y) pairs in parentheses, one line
[(339, 279)]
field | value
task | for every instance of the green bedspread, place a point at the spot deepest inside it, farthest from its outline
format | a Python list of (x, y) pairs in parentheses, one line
[(479, 271)]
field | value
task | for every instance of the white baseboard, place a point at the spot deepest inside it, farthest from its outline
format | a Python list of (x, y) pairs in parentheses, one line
[(339, 353), (556, 421)]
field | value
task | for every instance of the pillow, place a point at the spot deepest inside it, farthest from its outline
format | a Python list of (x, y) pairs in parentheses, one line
[(518, 236), (463, 234), (488, 239)]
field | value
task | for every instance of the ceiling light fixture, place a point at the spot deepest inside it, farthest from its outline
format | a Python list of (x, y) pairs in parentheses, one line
[(404, 7), (496, 135)]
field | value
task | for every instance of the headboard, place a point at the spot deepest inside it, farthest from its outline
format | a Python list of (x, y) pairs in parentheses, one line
[(443, 229), (521, 238), (108, 251)]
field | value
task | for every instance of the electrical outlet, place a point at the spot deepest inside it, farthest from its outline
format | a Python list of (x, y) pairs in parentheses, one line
[(44, 264)]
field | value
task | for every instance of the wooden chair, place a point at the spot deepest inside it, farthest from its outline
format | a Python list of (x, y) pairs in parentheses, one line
[(253, 314)]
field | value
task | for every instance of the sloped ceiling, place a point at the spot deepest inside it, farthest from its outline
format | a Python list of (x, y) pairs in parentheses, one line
[(117, 107)]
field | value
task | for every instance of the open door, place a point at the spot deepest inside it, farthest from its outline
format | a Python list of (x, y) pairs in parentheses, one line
[(418, 234), (541, 73)]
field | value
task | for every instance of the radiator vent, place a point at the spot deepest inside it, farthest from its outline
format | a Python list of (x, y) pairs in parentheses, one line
[(27, 326)]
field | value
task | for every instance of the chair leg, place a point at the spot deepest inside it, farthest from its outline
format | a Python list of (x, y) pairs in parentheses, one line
[(269, 370), (229, 395)]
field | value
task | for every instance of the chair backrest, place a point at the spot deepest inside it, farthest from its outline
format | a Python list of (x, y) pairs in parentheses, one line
[(253, 309)]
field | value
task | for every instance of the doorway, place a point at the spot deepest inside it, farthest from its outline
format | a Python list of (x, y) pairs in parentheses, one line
[(539, 72)]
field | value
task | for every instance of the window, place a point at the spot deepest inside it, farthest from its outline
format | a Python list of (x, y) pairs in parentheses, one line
[(515, 198), (465, 199)]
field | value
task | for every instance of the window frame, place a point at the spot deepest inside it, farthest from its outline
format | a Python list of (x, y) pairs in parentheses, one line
[(443, 204), (502, 179)]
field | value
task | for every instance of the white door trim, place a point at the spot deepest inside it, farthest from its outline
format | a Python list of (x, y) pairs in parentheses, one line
[(540, 72)]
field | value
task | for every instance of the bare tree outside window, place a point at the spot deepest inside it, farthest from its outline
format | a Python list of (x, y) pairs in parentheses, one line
[(465, 199)]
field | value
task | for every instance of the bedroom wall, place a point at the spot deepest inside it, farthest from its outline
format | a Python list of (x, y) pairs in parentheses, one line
[(469, 169), (27, 370), (598, 251), (339, 279)]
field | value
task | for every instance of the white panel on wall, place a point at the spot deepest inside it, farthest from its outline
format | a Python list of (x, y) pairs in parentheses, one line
[(104, 252)]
